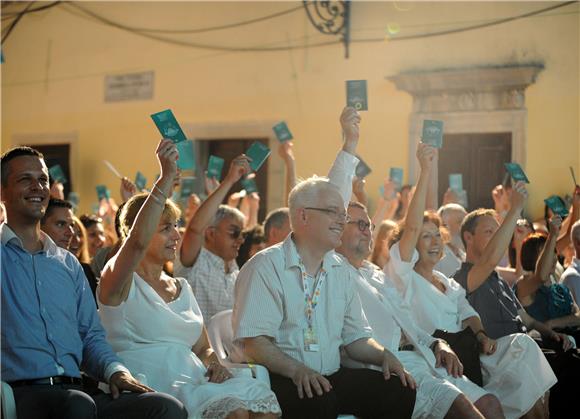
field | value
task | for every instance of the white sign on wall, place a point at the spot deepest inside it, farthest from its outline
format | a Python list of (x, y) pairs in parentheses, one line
[(132, 86)]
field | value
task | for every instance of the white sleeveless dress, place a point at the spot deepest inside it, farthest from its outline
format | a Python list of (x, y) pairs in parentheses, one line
[(154, 340)]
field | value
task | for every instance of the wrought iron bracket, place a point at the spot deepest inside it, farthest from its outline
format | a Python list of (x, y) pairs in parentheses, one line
[(331, 18)]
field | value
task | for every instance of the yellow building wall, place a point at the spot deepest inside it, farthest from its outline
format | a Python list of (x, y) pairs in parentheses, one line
[(56, 61)]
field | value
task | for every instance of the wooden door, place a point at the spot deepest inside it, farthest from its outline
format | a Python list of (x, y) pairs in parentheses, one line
[(480, 159), (57, 154)]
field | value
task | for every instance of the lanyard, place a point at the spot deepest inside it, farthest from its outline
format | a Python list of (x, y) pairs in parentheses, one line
[(311, 300)]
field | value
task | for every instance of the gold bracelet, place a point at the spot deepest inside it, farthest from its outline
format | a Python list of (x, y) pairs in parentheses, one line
[(160, 191), (152, 195)]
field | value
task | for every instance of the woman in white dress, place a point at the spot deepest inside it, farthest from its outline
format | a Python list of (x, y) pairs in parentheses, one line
[(153, 320), (513, 367)]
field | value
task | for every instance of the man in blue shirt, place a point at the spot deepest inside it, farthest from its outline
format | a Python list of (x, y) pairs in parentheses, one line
[(50, 327)]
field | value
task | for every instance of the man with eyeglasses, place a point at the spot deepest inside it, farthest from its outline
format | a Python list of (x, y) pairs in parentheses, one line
[(296, 305), (210, 245), (442, 390)]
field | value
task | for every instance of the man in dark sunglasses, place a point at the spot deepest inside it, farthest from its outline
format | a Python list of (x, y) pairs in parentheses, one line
[(210, 246)]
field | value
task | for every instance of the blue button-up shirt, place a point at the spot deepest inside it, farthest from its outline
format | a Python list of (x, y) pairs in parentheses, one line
[(50, 324)]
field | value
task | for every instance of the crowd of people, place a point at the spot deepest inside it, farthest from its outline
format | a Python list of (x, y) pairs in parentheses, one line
[(418, 310)]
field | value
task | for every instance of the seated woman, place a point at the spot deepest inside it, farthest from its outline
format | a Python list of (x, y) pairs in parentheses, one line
[(153, 320), (542, 297), (513, 367), (79, 247)]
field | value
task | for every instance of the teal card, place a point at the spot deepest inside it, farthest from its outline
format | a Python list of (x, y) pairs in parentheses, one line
[(103, 192), (249, 184), (258, 152), (57, 174), (282, 132), (557, 205), (168, 126), (140, 181), (74, 199), (382, 191), (187, 186), (215, 166), (362, 169), (396, 176), (186, 159), (456, 182), (516, 172), (356, 94), (432, 133)]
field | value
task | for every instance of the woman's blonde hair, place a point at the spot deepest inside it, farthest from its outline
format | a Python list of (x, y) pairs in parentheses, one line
[(83, 255), (132, 207)]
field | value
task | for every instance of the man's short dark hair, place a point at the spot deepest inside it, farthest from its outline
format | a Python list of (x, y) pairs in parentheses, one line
[(470, 221), (90, 220), (54, 203), (275, 218), (12, 154)]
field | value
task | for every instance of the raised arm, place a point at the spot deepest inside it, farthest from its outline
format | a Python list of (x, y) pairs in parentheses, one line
[(342, 170), (498, 244), (286, 154), (432, 201), (254, 207), (193, 237), (414, 218), (545, 263), (564, 239), (117, 276), (387, 205)]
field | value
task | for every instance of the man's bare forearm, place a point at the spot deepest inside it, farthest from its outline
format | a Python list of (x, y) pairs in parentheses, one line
[(366, 350), (263, 351)]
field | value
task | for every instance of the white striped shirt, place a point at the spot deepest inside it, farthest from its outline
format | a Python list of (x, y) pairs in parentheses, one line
[(269, 301), (212, 286)]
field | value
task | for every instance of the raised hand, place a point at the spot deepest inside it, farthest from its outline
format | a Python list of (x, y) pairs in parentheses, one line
[(426, 155), (285, 151), (239, 167), (501, 199), (128, 189), (554, 225), (349, 121), (389, 190), (519, 196), (167, 156)]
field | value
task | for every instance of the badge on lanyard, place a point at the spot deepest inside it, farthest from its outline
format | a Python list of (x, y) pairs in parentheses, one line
[(310, 335), (311, 340)]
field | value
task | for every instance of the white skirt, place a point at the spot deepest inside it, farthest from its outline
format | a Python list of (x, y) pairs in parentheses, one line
[(518, 374)]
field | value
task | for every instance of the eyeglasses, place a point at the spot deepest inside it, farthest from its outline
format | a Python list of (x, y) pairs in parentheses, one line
[(235, 233), (363, 225), (338, 216)]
